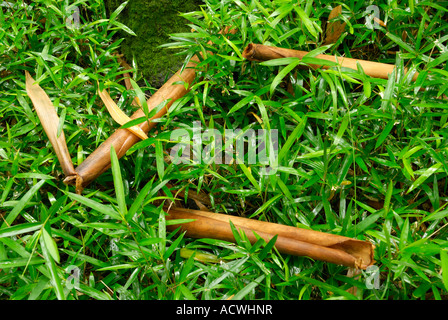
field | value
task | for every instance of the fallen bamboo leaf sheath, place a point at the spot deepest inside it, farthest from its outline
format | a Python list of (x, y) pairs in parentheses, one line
[(259, 52), (99, 161), (118, 115), (290, 240), (48, 117)]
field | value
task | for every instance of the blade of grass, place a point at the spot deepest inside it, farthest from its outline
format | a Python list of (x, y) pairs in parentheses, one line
[(52, 270), (247, 289), (18, 208), (118, 183)]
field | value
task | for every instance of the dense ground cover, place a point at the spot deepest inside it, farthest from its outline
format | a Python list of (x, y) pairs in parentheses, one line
[(360, 157)]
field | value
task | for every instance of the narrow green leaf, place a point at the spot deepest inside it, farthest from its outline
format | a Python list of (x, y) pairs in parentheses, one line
[(404, 234), (20, 262), (19, 229), (51, 246), (101, 208), (52, 269), (279, 62), (137, 203), (247, 172), (248, 288), (159, 159), (173, 247), (34, 175), (93, 293), (318, 61), (119, 267), (18, 208), (141, 97), (234, 47), (401, 43), (241, 103), (329, 287), (118, 183), (388, 197), (444, 260), (150, 241), (425, 175), (118, 10), (305, 19), (279, 77), (437, 61), (266, 205), (385, 133), (263, 253), (296, 134)]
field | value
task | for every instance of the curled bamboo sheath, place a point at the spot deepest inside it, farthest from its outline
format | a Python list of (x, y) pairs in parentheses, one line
[(99, 161), (259, 52), (49, 119), (290, 240)]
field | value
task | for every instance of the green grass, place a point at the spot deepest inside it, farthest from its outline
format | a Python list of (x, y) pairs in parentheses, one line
[(359, 157)]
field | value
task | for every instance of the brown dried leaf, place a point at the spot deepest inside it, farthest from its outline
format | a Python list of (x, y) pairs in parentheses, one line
[(334, 28), (119, 116), (48, 117)]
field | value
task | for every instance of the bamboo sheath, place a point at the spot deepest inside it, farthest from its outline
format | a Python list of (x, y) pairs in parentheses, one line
[(122, 139), (48, 117), (290, 240), (99, 161), (259, 52)]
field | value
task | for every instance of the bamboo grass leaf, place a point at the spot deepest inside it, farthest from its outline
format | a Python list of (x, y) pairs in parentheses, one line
[(310, 26), (247, 289), (101, 208), (159, 159), (20, 262), (385, 133), (444, 260), (425, 175), (18, 208), (118, 183), (93, 293), (51, 246), (279, 77), (20, 229), (52, 269)]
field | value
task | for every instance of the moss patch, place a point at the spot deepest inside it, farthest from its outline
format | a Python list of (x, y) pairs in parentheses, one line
[(153, 21)]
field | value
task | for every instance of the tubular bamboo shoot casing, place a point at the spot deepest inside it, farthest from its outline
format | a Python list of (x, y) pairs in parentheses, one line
[(259, 52), (99, 161), (290, 240)]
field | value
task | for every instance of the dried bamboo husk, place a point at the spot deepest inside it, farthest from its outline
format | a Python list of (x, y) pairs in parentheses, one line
[(290, 240), (99, 161), (259, 52), (48, 117), (118, 115), (175, 88)]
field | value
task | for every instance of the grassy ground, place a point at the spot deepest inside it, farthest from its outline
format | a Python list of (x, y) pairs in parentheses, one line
[(360, 157)]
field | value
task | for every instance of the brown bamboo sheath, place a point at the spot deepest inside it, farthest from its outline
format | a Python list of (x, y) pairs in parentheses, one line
[(259, 52)]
